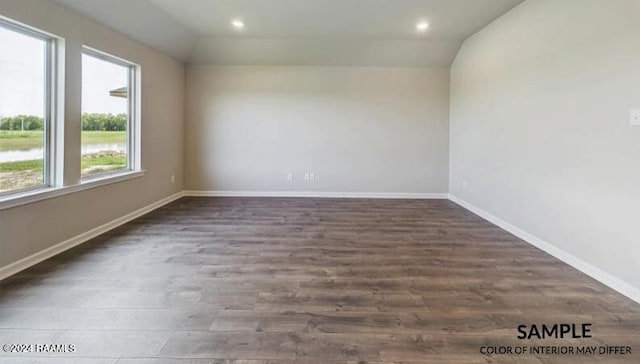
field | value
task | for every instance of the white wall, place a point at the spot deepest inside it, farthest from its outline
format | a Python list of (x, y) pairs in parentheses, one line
[(359, 129), (540, 131), (28, 229)]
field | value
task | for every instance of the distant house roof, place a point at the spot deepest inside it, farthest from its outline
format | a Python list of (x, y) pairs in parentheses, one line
[(119, 92)]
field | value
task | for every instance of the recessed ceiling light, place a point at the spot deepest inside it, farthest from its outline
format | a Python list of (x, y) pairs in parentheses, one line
[(422, 26), (238, 24)]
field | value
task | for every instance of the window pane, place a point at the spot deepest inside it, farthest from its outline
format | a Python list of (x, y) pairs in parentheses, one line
[(22, 110), (105, 105)]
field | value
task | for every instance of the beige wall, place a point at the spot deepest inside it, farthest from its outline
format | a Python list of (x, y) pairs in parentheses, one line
[(358, 129), (28, 229), (540, 129)]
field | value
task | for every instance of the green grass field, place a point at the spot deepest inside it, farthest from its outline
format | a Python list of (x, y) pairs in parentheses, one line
[(22, 166), (14, 175), (25, 140), (29, 172), (88, 162)]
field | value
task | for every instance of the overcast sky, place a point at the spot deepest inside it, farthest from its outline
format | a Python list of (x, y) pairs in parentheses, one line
[(22, 75)]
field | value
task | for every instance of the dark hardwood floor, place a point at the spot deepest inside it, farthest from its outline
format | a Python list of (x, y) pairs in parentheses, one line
[(283, 280)]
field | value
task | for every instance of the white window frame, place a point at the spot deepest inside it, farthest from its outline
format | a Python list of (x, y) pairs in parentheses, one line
[(52, 166), (133, 114), (56, 182)]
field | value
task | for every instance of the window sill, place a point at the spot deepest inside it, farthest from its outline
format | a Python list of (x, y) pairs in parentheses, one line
[(40, 194)]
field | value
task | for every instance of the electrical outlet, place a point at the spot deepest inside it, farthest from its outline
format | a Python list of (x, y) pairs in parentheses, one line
[(306, 176), (289, 176), (173, 178), (312, 176), (635, 117)]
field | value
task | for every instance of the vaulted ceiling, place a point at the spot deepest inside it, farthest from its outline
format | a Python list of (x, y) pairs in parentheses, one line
[(299, 32)]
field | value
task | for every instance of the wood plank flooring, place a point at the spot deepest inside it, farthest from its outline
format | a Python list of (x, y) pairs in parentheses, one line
[(309, 281)]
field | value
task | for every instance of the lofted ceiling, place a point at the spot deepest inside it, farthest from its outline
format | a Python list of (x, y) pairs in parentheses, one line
[(303, 32), (140, 20)]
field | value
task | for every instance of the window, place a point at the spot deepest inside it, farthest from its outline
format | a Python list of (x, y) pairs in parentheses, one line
[(27, 120), (108, 115)]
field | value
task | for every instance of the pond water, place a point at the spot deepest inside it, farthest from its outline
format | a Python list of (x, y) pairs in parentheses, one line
[(37, 153)]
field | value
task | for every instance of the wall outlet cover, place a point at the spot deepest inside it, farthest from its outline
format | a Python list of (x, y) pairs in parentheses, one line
[(635, 117)]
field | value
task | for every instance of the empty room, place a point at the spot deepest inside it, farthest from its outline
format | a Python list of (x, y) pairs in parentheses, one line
[(319, 181)]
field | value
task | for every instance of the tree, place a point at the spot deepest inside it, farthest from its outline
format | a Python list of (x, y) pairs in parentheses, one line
[(21, 122), (90, 122), (104, 122)]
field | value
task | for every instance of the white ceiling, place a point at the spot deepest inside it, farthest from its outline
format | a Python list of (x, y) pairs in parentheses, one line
[(380, 19), (140, 20), (324, 32)]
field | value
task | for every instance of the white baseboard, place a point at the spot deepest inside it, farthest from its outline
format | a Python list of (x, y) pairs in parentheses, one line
[(596, 273), (383, 195), (40, 256)]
